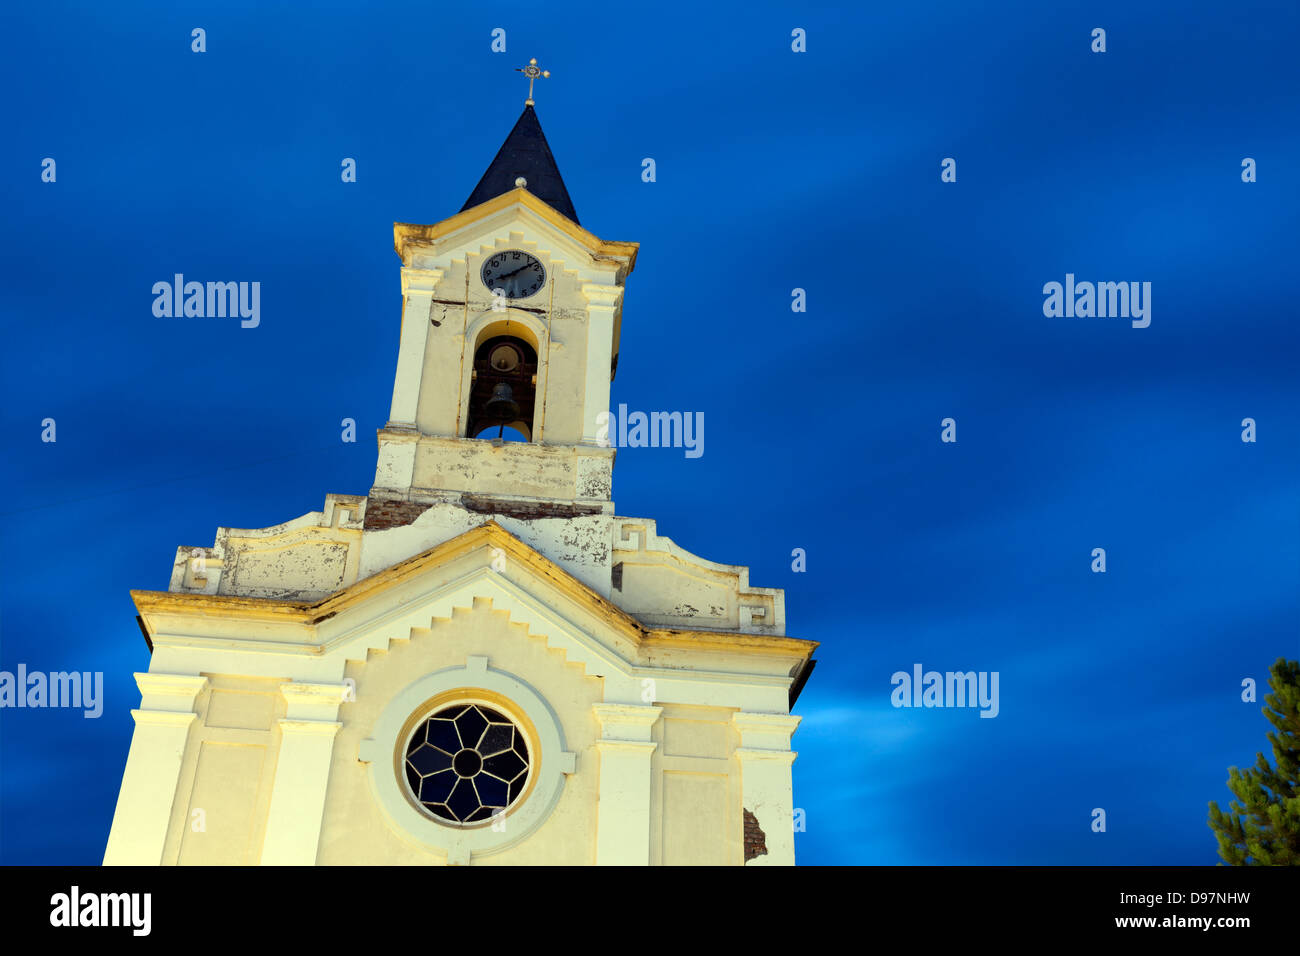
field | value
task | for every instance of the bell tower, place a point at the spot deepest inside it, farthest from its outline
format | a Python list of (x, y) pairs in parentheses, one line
[(511, 314), (478, 660)]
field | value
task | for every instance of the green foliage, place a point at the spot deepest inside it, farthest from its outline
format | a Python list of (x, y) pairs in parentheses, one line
[(1263, 827)]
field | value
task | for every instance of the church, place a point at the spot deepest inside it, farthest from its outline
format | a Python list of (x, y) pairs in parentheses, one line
[(478, 661)]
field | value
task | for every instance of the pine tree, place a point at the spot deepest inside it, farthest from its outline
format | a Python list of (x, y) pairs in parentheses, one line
[(1263, 828)]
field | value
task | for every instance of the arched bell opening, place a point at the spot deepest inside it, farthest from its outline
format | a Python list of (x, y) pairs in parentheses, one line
[(503, 389)]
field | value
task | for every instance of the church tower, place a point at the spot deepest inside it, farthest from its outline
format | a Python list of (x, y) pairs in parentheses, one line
[(479, 661)]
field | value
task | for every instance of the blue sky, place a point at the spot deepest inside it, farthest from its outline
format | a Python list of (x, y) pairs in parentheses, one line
[(775, 170)]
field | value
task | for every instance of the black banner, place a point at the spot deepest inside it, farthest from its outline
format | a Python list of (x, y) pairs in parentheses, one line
[(1150, 904)]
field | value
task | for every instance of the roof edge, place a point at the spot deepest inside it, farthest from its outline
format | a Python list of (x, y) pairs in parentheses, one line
[(406, 232)]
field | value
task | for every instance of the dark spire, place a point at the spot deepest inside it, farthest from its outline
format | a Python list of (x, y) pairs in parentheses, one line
[(525, 153)]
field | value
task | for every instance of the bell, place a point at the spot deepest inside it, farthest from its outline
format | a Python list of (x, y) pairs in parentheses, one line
[(501, 407)]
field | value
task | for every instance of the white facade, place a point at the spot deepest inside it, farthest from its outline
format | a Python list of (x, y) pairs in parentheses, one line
[(292, 665)]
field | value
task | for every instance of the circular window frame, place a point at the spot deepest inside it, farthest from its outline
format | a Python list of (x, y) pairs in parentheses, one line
[(475, 696), (384, 751)]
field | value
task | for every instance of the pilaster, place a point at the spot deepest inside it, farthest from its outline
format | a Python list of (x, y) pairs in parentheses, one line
[(602, 303), (766, 781), (144, 804), (417, 294), (625, 747), (302, 772)]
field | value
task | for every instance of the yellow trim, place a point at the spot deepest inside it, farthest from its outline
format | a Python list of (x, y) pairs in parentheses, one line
[(489, 534), (404, 232)]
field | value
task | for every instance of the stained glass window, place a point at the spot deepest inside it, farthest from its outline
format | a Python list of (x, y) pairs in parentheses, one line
[(465, 762)]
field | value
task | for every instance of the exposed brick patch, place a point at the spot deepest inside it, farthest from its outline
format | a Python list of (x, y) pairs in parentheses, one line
[(383, 513), (486, 504), (755, 839)]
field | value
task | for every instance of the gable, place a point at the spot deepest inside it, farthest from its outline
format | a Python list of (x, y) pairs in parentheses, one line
[(519, 209), (251, 636)]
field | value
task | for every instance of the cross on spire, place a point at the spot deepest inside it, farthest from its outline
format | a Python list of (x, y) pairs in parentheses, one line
[(532, 72), (525, 160)]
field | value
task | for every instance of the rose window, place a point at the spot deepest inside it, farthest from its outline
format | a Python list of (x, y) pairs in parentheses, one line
[(466, 762)]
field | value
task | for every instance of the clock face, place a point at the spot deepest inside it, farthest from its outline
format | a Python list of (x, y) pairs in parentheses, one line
[(516, 274)]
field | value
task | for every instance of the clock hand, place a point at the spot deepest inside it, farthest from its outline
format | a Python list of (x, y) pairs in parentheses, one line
[(509, 274)]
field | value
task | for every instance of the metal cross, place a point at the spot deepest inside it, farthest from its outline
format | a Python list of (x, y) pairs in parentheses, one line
[(532, 72)]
